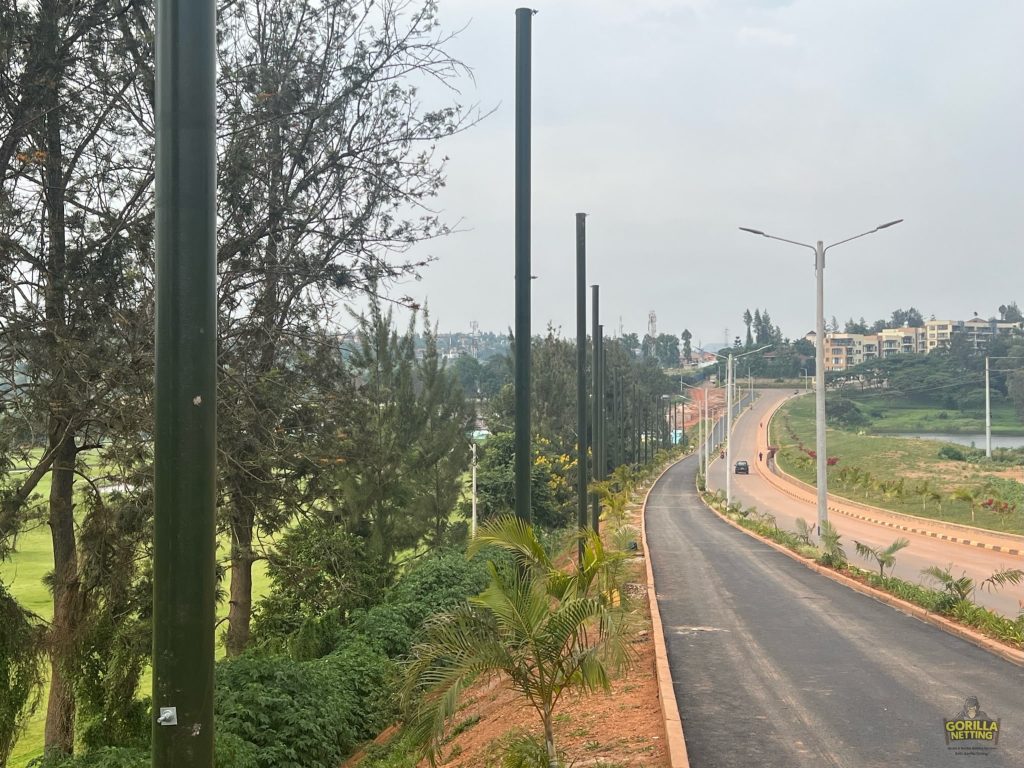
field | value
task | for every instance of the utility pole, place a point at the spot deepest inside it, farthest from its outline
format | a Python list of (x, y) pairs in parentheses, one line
[(524, 22), (581, 374), (185, 438)]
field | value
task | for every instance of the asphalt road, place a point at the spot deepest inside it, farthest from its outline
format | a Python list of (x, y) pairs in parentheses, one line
[(753, 490), (774, 665)]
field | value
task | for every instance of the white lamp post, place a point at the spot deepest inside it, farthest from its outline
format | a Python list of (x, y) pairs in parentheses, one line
[(819, 356), (472, 532)]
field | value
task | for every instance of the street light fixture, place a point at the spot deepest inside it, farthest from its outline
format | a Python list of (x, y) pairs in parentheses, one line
[(819, 354), (730, 368)]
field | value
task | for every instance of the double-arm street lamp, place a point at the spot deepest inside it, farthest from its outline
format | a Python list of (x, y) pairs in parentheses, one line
[(730, 361), (819, 354)]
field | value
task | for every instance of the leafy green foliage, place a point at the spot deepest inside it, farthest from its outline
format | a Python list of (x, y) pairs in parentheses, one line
[(952, 452), (317, 568), (21, 669), (545, 630), (304, 714), (519, 749), (832, 553), (884, 558), (438, 583), (844, 413), (803, 531), (496, 484), (105, 757)]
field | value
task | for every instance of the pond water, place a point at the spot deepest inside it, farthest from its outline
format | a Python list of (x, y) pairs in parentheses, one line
[(998, 441)]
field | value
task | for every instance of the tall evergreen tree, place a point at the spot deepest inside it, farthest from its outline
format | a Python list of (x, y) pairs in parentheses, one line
[(75, 196)]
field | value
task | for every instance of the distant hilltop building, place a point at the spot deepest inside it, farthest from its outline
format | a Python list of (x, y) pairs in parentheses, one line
[(845, 350)]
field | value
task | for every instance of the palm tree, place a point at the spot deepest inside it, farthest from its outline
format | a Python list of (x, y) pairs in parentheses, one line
[(831, 546), (544, 630), (883, 557), (970, 495), (962, 588)]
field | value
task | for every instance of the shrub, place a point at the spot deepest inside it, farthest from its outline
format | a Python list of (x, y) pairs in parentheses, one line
[(293, 713), (107, 757), (436, 583), (832, 553), (232, 751), (844, 413), (365, 678), (952, 452)]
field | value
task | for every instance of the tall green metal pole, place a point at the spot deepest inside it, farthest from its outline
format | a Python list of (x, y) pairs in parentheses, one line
[(636, 425), (184, 545), (595, 412), (602, 451), (602, 422), (581, 372), (524, 21)]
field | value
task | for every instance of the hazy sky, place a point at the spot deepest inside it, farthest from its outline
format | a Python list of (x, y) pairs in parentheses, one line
[(673, 122)]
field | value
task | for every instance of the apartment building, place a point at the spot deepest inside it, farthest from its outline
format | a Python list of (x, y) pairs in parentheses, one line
[(901, 341), (977, 331), (845, 350)]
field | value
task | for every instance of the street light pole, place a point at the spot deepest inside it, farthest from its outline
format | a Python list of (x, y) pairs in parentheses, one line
[(473, 526), (988, 414), (819, 384), (819, 355), (728, 432)]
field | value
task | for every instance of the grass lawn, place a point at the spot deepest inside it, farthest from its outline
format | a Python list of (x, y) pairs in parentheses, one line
[(23, 575), (899, 470), (894, 414)]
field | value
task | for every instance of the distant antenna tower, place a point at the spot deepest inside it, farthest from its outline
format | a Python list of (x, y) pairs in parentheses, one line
[(652, 324), (620, 327)]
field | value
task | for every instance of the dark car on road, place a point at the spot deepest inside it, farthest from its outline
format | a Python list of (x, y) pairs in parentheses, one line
[(742, 468)]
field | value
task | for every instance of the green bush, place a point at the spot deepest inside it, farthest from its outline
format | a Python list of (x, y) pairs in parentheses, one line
[(366, 679), (436, 583), (107, 757), (385, 628), (21, 666), (291, 712), (952, 452), (232, 751), (844, 413)]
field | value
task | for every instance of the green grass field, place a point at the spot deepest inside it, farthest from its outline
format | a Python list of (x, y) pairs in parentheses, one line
[(893, 414), (899, 471)]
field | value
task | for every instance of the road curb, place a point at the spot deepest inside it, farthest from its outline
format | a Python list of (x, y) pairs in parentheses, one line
[(675, 742), (803, 492), (984, 642)]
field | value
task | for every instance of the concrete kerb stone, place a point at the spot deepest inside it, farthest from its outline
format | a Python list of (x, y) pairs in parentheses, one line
[(674, 739), (984, 642)]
